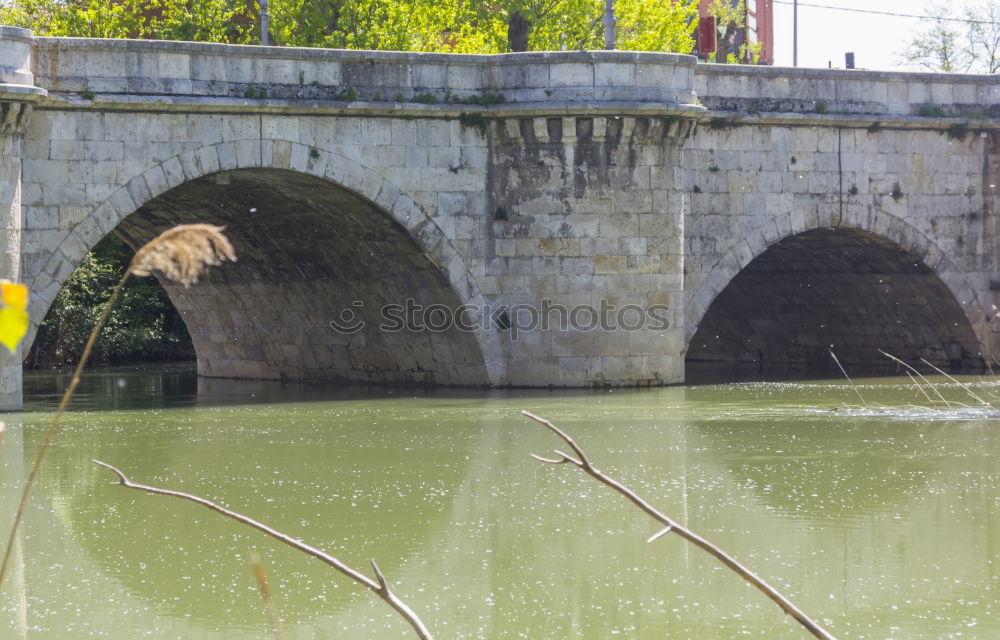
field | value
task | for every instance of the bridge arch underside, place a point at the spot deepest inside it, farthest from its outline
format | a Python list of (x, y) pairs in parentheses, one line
[(844, 290), (307, 250)]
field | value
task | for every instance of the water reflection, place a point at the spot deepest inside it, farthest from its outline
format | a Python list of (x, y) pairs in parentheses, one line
[(12, 470), (179, 386), (882, 526), (697, 372)]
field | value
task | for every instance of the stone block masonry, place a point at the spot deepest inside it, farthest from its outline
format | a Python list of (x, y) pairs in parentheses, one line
[(578, 214)]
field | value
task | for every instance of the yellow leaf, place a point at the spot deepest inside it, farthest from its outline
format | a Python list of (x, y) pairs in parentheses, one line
[(13, 326), (14, 295)]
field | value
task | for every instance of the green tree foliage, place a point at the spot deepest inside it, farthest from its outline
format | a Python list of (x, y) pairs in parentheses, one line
[(460, 26), (958, 42), (143, 325), (205, 20)]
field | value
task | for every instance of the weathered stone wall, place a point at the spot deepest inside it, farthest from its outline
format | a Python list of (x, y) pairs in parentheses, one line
[(388, 80)]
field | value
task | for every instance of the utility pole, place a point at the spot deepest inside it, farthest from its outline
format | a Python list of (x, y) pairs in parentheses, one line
[(609, 24), (795, 32), (263, 23)]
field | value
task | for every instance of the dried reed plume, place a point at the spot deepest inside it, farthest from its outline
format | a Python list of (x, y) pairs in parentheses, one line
[(180, 254), (183, 253)]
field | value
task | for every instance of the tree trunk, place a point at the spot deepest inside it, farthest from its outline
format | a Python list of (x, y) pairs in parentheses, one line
[(517, 32), (728, 44)]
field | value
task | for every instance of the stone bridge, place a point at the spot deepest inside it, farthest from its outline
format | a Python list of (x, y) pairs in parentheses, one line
[(534, 219)]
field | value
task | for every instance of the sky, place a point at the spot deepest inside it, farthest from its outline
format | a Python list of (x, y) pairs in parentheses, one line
[(826, 34)]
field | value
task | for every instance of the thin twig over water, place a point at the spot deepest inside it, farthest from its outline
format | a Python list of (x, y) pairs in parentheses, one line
[(671, 526), (964, 386), (378, 586), (946, 402), (849, 381), (920, 386)]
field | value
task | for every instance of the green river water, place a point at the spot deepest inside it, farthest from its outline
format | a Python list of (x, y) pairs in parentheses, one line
[(880, 520)]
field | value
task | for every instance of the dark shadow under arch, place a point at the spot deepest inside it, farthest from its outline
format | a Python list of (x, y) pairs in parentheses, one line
[(842, 289), (307, 251)]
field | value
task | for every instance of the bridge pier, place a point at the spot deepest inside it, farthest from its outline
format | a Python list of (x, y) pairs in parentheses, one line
[(10, 255), (588, 247), (17, 93)]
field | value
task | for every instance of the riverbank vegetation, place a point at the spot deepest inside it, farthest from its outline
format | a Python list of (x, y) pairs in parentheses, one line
[(143, 326)]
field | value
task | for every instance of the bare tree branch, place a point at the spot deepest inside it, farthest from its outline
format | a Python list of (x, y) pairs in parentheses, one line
[(670, 526), (951, 42), (380, 588), (983, 36)]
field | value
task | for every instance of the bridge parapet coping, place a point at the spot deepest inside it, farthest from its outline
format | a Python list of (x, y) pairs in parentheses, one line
[(755, 89), (238, 71), (17, 90), (185, 75), (15, 56)]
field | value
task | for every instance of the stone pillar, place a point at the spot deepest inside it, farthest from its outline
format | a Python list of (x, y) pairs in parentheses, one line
[(586, 263), (17, 94)]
